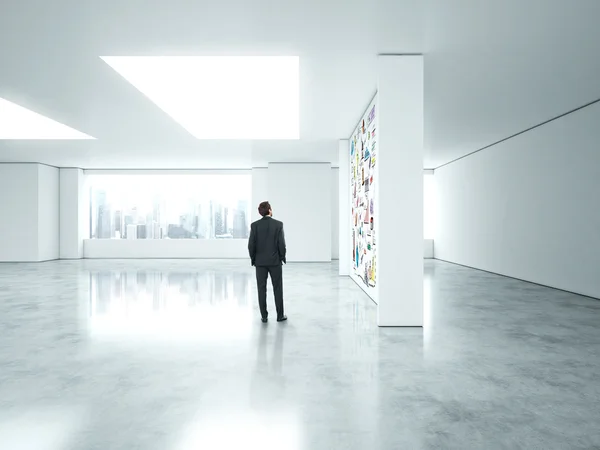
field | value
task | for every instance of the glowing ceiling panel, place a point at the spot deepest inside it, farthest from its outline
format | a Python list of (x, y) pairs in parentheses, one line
[(220, 97)]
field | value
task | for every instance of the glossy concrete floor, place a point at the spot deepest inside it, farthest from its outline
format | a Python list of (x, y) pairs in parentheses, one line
[(171, 355)]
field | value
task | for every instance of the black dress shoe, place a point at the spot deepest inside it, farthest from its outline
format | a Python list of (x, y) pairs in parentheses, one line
[(264, 320), (282, 319)]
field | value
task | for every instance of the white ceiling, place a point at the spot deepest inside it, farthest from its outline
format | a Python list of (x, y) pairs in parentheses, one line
[(492, 69)]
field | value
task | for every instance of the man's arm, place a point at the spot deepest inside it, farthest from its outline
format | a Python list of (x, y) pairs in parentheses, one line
[(281, 243), (252, 244)]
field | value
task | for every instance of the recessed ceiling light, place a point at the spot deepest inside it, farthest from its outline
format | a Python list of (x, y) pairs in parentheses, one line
[(220, 97), (17, 122)]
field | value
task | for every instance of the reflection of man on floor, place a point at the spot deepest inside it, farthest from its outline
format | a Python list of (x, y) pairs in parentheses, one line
[(268, 382), (267, 250)]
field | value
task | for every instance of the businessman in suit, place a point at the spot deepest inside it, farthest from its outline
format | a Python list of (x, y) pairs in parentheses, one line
[(267, 253)]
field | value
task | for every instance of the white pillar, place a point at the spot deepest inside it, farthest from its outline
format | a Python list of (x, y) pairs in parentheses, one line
[(74, 213), (29, 195), (400, 191), (344, 208)]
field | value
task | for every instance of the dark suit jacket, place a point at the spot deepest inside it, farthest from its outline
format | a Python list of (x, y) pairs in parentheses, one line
[(267, 242)]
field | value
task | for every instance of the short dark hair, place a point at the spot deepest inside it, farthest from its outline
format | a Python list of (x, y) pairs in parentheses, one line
[(264, 208)]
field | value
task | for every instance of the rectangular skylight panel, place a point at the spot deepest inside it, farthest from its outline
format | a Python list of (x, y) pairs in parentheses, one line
[(17, 122), (220, 97)]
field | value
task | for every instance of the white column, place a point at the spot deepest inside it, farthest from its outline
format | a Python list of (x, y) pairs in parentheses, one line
[(48, 213), (74, 213), (400, 191), (344, 207), (29, 196), (19, 225)]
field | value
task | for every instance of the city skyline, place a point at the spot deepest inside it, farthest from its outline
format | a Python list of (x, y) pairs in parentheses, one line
[(165, 208)]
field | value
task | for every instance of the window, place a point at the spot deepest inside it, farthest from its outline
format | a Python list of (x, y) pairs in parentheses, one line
[(133, 206)]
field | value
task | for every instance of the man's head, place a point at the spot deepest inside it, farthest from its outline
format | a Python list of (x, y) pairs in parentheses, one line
[(264, 209)]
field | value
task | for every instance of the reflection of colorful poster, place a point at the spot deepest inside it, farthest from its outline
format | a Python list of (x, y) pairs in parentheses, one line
[(363, 151)]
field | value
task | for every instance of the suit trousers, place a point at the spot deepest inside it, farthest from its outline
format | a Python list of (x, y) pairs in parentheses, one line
[(276, 273)]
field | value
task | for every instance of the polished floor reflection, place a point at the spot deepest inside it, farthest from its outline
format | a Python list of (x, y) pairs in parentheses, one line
[(172, 355)]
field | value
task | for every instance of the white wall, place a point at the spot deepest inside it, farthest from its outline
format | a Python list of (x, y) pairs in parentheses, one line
[(335, 216), (429, 204), (74, 213), (260, 192), (429, 212), (528, 207), (297, 194), (428, 246), (19, 206), (166, 248), (48, 213), (260, 189), (29, 204)]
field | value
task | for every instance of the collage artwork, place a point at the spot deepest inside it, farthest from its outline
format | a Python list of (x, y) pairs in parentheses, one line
[(362, 173)]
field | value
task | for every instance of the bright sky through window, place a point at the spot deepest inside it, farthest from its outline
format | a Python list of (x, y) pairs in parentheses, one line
[(220, 97), (17, 122)]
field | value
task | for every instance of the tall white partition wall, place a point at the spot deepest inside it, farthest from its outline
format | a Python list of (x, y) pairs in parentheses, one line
[(300, 195), (400, 191), (381, 224)]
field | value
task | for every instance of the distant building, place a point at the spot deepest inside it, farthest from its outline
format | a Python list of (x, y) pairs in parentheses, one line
[(131, 231), (104, 229), (219, 222), (178, 232), (240, 225), (119, 224), (211, 222), (127, 220), (141, 231)]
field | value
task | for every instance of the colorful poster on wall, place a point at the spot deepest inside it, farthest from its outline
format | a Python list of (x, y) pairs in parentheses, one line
[(363, 179)]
